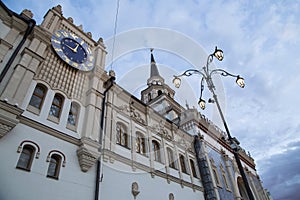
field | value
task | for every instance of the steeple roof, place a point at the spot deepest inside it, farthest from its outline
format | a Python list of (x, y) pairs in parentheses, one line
[(154, 73)]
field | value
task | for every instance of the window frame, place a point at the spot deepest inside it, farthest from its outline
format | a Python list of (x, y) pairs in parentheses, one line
[(58, 162), (215, 173), (225, 179), (122, 137), (31, 107), (171, 160), (29, 161), (52, 117), (182, 164), (140, 143), (76, 114), (155, 145), (193, 168)]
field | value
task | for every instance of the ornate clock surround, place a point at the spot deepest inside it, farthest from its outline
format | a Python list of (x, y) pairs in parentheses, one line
[(73, 50)]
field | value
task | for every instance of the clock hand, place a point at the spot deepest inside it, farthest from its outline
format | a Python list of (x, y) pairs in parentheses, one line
[(75, 49)]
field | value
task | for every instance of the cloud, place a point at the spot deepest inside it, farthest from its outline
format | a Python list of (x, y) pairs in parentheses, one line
[(260, 40), (282, 173)]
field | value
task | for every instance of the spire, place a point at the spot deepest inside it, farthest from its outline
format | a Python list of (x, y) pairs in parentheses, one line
[(154, 73)]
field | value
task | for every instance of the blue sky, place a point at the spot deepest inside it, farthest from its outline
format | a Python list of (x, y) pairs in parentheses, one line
[(260, 40)]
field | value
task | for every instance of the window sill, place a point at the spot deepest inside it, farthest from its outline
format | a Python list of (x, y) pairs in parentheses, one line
[(71, 127), (24, 169), (53, 119), (143, 154), (52, 177), (123, 146), (33, 110)]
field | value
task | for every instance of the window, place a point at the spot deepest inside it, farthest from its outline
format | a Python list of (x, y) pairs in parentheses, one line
[(192, 163), (170, 158), (73, 115), (140, 145), (122, 136), (56, 106), (216, 176), (224, 177), (26, 157), (37, 98), (54, 166), (149, 97), (156, 150), (159, 92), (182, 163), (215, 173)]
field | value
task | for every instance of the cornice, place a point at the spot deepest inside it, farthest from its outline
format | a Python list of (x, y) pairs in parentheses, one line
[(153, 172), (48, 130)]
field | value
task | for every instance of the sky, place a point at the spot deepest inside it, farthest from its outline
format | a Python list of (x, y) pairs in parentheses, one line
[(260, 41)]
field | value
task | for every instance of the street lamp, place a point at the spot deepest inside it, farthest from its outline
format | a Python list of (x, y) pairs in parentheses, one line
[(206, 74)]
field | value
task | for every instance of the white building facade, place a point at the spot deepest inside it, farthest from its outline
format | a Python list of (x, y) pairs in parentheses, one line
[(68, 131)]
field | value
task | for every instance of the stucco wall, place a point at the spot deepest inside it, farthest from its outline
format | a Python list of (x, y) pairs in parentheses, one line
[(19, 184), (118, 178)]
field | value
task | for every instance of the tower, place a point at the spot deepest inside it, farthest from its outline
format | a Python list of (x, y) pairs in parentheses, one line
[(159, 95)]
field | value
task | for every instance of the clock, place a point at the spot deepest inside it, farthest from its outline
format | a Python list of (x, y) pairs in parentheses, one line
[(73, 50)]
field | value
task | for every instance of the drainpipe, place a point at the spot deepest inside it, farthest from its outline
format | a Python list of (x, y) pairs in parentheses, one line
[(31, 23), (108, 84)]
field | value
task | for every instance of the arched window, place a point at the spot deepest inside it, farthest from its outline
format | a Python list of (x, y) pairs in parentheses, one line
[(170, 157), (73, 114), (182, 163), (54, 166), (215, 172), (140, 144), (56, 106), (149, 97), (192, 163), (156, 150), (224, 177), (37, 98), (159, 92), (122, 136), (26, 157)]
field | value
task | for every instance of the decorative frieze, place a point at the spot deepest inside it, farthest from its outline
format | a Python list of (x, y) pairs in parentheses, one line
[(130, 110), (161, 130)]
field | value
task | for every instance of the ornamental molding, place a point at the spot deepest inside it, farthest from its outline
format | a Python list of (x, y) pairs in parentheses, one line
[(160, 130), (151, 171), (87, 153), (9, 117), (183, 143), (130, 110)]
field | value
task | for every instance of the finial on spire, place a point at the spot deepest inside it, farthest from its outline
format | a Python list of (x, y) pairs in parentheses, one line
[(152, 57)]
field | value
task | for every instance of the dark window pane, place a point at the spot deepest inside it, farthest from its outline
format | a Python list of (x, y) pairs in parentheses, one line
[(56, 106), (26, 157), (38, 97), (35, 102), (73, 114), (54, 166), (54, 111)]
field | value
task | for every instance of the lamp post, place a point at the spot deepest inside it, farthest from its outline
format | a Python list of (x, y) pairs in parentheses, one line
[(206, 74)]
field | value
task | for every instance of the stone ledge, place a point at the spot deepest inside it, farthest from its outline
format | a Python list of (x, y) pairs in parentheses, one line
[(88, 153), (9, 117)]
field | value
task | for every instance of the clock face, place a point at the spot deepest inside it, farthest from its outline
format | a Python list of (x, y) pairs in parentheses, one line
[(73, 50)]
